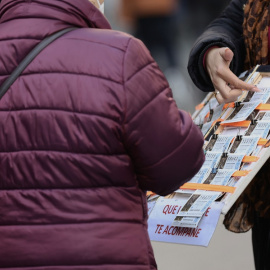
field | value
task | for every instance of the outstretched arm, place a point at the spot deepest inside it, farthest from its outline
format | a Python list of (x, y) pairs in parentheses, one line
[(224, 32)]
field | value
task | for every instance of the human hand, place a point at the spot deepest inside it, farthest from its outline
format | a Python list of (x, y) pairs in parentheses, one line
[(228, 87)]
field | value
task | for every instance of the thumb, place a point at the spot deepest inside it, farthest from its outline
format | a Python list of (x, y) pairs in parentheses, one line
[(227, 55)]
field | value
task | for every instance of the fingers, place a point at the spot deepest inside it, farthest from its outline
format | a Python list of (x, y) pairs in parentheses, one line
[(226, 92), (227, 54), (228, 85), (231, 96), (229, 77)]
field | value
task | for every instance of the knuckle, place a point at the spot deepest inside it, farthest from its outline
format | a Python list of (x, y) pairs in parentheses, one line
[(232, 98), (238, 84), (225, 95), (219, 70)]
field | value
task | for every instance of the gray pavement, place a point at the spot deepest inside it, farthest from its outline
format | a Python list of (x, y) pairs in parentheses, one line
[(226, 251)]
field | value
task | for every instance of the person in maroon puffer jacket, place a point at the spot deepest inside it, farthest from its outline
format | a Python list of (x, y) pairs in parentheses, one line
[(85, 131)]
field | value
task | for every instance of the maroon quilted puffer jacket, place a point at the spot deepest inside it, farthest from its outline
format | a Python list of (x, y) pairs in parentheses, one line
[(88, 127)]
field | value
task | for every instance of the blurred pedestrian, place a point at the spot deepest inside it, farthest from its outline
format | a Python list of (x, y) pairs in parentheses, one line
[(85, 131), (155, 23)]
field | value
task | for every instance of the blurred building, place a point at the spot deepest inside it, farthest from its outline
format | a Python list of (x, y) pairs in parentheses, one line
[(155, 23), (168, 28)]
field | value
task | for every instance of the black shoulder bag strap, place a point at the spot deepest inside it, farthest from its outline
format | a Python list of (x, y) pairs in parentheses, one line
[(29, 58)]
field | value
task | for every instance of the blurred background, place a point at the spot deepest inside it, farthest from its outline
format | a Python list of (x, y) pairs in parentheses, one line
[(169, 28)]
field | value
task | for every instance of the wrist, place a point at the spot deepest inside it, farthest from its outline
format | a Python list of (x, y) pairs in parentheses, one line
[(205, 55)]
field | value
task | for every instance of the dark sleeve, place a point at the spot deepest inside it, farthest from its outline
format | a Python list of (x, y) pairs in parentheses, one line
[(162, 141), (225, 31)]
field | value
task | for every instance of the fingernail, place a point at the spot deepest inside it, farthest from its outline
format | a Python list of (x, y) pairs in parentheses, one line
[(256, 89)]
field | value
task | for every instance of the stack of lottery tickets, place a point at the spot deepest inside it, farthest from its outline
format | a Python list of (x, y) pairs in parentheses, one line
[(236, 146)]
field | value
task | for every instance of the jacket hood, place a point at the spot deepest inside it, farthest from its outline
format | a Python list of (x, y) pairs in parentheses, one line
[(80, 13)]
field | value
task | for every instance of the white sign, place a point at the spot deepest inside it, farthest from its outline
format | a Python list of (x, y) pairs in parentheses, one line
[(160, 223)]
